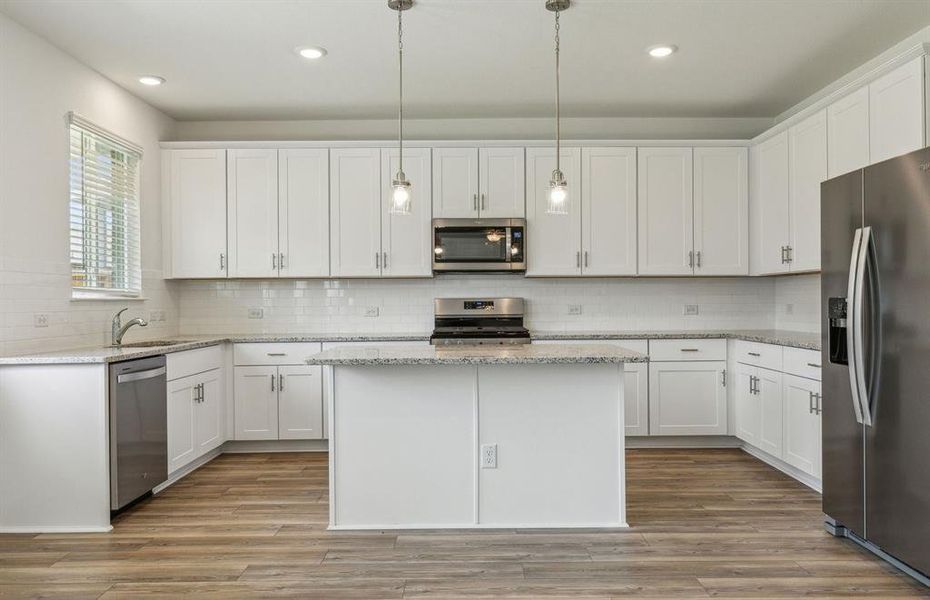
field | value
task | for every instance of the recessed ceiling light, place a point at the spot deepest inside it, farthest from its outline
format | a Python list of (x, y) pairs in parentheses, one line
[(662, 50), (151, 80), (311, 52)]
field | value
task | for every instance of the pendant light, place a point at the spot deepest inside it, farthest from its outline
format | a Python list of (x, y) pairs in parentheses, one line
[(401, 190), (558, 187)]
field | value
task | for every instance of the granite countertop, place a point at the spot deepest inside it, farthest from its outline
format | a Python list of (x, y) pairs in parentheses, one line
[(103, 354), (477, 355)]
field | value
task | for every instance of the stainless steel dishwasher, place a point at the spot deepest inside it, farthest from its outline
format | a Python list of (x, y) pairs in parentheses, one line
[(138, 429)]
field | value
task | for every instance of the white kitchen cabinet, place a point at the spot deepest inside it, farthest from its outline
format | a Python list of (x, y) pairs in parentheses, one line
[(807, 149), (768, 206), (665, 211), (455, 183), (848, 133), (300, 399), (501, 183), (747, 404), (721, 211), (896, 112), (256, 403), (406, 240), (759, 410), (355, 212), (479, 182), (687, 398), (553, 241), (195, 223), (608, 211), (802, 418), (252, 218), (196, 413), (303, 212)]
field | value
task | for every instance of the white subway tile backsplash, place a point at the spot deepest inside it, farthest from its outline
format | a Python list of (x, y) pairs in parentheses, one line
[(802, 294)]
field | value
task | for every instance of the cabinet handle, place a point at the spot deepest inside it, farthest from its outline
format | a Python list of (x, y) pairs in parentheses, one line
[(222, 262), (203, 392), (280, 382), (578, 259), (277, 353), (810, 403), (756, 354), (384, 260), (585, 258), (691, 259), (723, 378), (377, 260), (698, 255), (753, 389), (484, 204), (474, 201), (272, 382), (274, 261), (280, 260), (789, 251), (817, 399), (750, 384), (690, 350), (815, 365)]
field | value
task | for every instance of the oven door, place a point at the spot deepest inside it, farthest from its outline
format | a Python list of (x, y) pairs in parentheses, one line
[(478, 245)]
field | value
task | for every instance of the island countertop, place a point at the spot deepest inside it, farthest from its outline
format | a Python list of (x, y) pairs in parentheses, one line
[(477, 355)]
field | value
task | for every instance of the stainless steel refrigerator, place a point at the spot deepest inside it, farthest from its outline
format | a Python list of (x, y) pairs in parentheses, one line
[(875, 292)]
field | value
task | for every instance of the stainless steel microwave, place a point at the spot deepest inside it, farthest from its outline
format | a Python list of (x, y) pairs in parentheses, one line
[(479, 245)]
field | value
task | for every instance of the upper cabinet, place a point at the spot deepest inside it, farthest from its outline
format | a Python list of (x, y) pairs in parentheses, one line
[(807, 151), (252, 217), (848, 133), (896, 111), (769, 191), (478, 182), (553, 241), (608, 211), (721, 211), (303, 212), (194, 183), (665, 207), (406, 240)]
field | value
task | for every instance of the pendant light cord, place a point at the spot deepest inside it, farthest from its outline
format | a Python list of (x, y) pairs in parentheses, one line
[(558, 103), (400, 110)]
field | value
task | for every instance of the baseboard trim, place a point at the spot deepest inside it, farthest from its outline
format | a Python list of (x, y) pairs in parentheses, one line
[(241, 446), (808, 480), (55, 529), (489, 526), (683, 441), (187, 469)]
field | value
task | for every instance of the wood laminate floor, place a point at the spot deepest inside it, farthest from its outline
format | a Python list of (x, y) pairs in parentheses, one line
[(705, 523)]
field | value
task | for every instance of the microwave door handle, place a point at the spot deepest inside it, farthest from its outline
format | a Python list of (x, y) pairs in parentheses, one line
[(507, 240), (852, 331)]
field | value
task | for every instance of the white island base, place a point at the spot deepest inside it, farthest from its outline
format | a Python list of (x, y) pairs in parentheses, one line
[(409, 442)]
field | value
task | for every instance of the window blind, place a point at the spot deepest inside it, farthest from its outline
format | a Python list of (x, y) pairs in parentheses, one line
[(104, 205)]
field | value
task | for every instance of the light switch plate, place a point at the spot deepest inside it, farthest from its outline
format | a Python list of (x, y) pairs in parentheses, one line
[(372, 311), (574, 309), (690, 309)]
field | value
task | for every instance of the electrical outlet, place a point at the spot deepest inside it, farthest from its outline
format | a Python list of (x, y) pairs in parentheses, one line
[(40, 320), (574, 309), (789, 309), (157, 315), (690, 309), (372, 311), (489, 456), (256, 313)]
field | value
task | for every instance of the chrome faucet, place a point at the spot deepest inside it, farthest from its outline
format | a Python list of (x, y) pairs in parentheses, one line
[(118, 330)]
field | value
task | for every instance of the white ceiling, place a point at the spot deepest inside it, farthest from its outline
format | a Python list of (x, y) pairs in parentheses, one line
[(234, 59)]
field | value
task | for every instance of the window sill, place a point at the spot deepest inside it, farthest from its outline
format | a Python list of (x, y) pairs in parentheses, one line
[(98, 297)]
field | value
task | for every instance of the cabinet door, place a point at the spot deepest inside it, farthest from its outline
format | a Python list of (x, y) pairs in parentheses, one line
[(256, 403), (848, 133), (748, 417), (182, 447), (300, 402), (636, 398), (721, 211), (252, 195), (553, 241), (502, 183), (802, 424), (771, 434), (197, 205), (303, 212), (355, 217), (455, 183), (665, 209), (768, 205), (896, 112), (209, 413), (407, 240), (807, 149), (608, 204), (687, 398)]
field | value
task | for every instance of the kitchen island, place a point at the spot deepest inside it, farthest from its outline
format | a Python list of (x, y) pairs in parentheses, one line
[(476, 436)]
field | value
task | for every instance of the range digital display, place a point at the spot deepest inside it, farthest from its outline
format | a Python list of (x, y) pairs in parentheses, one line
[(479, 304)]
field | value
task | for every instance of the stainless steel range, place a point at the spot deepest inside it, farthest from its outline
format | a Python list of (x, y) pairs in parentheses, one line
[(479, 321)]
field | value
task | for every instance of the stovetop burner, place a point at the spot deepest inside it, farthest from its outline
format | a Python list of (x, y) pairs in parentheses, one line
[(479, 321)]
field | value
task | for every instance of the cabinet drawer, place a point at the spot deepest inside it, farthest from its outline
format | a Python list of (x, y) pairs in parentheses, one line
[(191, 362), (701, 349), (761, 355), (277, 353), (805, 363)]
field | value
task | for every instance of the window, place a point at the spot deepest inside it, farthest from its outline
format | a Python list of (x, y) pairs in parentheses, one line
[(104, 202)]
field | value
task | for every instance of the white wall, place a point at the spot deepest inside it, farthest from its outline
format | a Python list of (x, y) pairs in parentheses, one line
[(407, 305), (39, 84), (797, 302)]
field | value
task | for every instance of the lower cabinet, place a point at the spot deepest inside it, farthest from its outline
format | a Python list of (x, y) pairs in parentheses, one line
[(802, 424), (277, 401), (195, 416), (759, 416), (687, 398)]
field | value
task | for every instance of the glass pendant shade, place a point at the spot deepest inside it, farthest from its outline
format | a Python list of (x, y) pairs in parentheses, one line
[(401, 193), (558, 194)]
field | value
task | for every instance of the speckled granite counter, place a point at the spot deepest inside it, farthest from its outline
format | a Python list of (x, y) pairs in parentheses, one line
[(477, 355), (794, 339)]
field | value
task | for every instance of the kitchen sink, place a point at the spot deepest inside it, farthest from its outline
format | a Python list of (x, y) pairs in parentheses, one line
[(152, 344)]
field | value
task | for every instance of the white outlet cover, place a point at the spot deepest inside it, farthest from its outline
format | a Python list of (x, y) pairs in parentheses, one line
[(691, 309), (574, 309), (789, 309), (40, 320), (489, 456), (256, 313), (372, 311)]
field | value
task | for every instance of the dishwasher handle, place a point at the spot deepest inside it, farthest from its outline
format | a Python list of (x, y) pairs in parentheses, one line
[(141, 375)]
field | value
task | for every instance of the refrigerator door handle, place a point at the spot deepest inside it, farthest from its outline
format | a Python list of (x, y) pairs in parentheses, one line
[(858, 358), (852, 333), (870, 268)]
